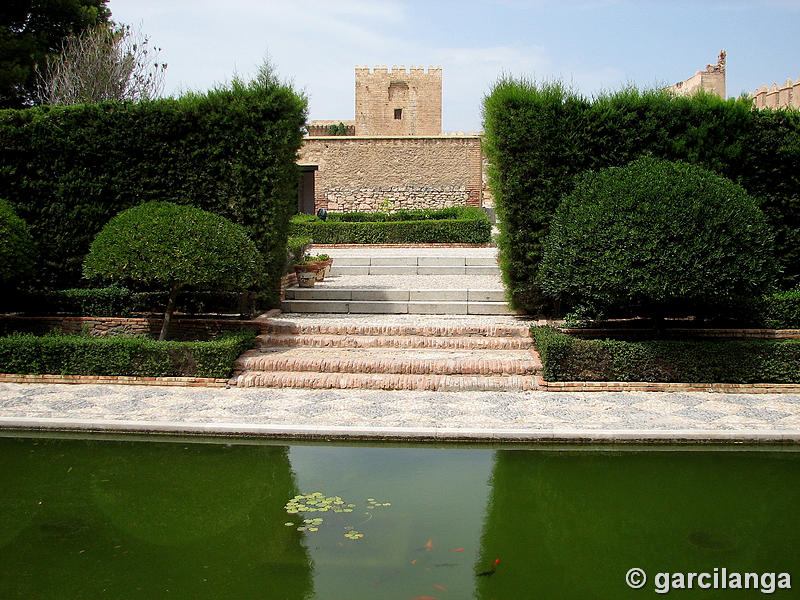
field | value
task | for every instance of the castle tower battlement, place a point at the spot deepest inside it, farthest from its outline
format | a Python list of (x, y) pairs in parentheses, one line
[(397, 101)]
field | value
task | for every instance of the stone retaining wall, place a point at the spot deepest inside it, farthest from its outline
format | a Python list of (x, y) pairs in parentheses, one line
[(391, 173), (180, 329)]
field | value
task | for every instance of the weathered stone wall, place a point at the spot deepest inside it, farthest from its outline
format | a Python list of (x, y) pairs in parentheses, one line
[(711, 80), (786, 96), (398, 102), (379, 173)]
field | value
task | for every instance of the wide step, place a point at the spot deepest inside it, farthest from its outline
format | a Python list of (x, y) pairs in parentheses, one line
[(403, 341), (396, 307), (418, 361), (433, 383)]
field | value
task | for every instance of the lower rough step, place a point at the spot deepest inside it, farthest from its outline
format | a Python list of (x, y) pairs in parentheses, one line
[(418, 361), (383, 381)]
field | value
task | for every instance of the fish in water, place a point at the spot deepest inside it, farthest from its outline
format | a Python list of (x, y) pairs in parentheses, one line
[(446, 565), (490, 571), (428, 545)]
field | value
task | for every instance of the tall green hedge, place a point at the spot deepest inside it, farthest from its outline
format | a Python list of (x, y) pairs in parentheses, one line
[(539, 136), (231, 151)]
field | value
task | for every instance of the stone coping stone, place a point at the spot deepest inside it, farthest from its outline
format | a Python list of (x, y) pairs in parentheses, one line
[(411, 434)]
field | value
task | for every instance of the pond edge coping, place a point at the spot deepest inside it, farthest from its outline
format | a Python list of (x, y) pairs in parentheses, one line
[(341, 433)]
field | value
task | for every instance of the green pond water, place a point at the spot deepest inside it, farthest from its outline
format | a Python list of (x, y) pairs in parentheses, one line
[(177, 518)]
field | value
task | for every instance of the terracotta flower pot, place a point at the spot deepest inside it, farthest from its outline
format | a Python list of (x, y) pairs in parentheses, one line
[(306, 279)]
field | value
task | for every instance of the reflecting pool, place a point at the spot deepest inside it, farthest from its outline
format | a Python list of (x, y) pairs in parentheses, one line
[(189, 518)]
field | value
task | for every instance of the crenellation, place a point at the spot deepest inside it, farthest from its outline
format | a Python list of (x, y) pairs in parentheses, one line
[(784, 96)]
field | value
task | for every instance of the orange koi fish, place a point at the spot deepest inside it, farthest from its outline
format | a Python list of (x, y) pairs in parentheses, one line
[(440, 587)]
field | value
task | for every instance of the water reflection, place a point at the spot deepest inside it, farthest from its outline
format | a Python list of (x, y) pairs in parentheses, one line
[(82, 519), (142, 519), (571, 524)]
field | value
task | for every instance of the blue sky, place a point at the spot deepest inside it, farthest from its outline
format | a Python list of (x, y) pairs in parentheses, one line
[(593, 45)]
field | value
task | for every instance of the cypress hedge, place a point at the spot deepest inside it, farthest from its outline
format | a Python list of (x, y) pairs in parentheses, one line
[(539, 136), (60, 354), (231, 151), (566, 358)]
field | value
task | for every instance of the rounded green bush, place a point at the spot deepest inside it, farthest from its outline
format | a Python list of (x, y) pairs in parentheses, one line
[(160, 243), (657, 238), (17, 250)]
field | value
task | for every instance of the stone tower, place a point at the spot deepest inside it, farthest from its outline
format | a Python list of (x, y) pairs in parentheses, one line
[(398, 102)]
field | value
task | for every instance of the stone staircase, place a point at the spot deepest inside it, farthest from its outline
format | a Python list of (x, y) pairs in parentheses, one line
[(423, 281), (390, 356)]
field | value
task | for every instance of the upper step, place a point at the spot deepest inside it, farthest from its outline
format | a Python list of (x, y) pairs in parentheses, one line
[(473, 342), (342, 268), (416, 261), (364, 327)]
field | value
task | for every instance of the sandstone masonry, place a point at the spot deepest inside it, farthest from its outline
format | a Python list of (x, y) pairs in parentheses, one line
[(394, 155), (392, 173)]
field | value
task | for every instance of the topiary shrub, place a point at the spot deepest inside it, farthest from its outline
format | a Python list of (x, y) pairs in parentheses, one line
[(17, 250), (657, 238), (160, 243)]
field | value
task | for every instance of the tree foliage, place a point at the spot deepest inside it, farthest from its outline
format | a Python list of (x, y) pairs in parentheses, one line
[(657, 238), (172, 246), (33, 30), (102, 63), (17, 250)]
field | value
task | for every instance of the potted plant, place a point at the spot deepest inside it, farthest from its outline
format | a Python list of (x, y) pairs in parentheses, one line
[(306, 273), (319, 265), (328, 262)]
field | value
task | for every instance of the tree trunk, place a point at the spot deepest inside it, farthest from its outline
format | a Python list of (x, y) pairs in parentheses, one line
[(173, 294)]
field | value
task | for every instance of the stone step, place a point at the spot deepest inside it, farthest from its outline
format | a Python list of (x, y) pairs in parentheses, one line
[(392, 330), (344, 269), (416, 361), (395, 341), (465, 260), (392, 307), (320, 292), (384, 381)]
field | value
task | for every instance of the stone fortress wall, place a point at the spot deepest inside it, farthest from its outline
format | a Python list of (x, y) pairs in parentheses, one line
[(394, 155), (786, 96), (398, 102), (712, 80)]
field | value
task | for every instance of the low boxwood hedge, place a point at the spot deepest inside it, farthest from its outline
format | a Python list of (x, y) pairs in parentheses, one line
[(464, 224), (567, 358), (129, 356)]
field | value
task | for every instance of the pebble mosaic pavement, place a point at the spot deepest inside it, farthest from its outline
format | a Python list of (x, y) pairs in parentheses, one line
[(534, 411)]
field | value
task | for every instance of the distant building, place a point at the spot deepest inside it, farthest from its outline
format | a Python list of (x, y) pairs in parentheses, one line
[(393, 155)]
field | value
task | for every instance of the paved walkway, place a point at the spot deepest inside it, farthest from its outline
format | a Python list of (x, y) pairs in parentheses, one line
[(606, 416)]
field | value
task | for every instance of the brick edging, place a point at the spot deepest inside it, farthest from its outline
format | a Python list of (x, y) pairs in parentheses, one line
[(115, 380), (645, 386)]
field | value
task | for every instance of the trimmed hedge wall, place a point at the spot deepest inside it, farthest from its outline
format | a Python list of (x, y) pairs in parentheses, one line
[(68, 170), (132, 356), (539, 136), (119, 301), (465, 225), (566, 358)]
